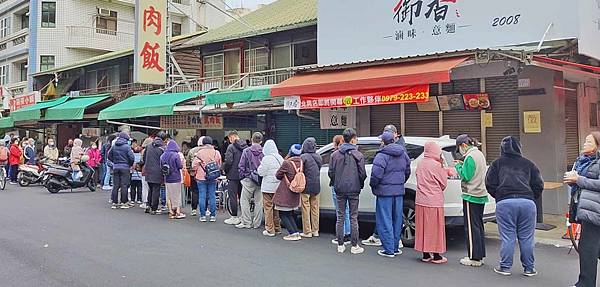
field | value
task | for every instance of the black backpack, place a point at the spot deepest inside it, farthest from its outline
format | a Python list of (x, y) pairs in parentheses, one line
[(347, 176)]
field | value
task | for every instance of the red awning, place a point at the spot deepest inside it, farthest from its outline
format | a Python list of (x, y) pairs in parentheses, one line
[(380, 77), (566, 66)]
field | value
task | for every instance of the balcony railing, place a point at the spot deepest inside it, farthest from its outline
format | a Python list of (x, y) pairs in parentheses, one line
[(104, 39), (260, 78), (119, 91), (17, 88), (19, 40)]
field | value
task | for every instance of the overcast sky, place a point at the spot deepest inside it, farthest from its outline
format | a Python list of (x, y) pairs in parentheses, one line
[(247, 3)]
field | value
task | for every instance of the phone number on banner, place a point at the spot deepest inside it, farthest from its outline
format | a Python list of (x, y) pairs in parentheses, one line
[(410, 95)]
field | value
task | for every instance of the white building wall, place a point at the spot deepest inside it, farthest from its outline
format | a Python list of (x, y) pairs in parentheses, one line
[(14, 46)]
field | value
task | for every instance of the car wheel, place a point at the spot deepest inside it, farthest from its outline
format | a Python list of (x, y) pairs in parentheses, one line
[(408, 230)]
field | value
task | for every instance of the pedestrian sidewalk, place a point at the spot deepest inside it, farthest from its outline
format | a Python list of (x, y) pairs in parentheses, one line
[(551, 237)]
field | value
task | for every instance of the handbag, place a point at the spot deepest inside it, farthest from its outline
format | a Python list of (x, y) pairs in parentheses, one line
[(574, 204), (187, 179)]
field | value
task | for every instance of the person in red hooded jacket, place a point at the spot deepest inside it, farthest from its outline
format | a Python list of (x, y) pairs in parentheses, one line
[(14, 159)]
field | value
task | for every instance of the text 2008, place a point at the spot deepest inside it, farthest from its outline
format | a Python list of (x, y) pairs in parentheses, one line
[(506, 20)]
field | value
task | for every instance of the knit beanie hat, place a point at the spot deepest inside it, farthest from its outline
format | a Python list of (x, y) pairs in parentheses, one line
[(295, 150)]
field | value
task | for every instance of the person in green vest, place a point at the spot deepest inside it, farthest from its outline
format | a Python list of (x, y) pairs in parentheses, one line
[(472, 170)]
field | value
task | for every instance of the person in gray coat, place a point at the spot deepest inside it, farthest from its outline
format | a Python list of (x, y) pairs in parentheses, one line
[(309, 199), (586, 178)]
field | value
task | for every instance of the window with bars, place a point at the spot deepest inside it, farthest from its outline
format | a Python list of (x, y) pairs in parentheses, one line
[(5, 27), (175, 29), (106, 22), (256, 59), (4, 75), (46, 63), (281, 57), (48, 14), (213, 65)]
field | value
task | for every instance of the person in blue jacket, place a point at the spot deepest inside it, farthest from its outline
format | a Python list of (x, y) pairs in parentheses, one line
[(390, 171)]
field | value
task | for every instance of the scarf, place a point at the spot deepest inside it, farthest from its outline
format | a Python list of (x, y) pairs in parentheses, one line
[(583, 163)]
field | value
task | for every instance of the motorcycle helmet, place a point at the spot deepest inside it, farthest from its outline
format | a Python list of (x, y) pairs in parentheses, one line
[(85, 158)]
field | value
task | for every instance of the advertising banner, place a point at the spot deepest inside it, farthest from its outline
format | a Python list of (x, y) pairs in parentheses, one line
[(150, 42), (401, 28), (192, 121), (25, 100), (401, 95)]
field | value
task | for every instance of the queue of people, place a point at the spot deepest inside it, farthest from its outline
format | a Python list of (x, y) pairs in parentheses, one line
[(264, 186)]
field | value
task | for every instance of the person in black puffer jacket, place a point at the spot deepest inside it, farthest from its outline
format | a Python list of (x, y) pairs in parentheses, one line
[(230, 166), (122, 159), (153, 173), (588, 211), (309, 199), (515, 182)]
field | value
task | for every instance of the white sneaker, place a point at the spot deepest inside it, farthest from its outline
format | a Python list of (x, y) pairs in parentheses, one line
[(292, 237), (266, 233), (139, 202), (202, 219), (357, 249), (372, 241), (233, 221), (194, 212), (213, 219), (306, 235), (468, 262), (124, 206), (315, 234), (341, 248), (243, 226), (114, 206), (106, 187), (143, 205)]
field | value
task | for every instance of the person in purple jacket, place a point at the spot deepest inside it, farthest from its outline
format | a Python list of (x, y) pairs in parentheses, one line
[(390, 171), (171, 165), (249, 162)]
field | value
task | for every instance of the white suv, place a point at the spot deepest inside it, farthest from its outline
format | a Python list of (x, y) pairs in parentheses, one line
[(414, 146)]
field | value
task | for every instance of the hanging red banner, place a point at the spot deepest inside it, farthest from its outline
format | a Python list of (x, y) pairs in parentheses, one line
[(401, 95)]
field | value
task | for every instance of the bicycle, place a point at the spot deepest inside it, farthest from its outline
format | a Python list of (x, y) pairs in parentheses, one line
[(223, 196)]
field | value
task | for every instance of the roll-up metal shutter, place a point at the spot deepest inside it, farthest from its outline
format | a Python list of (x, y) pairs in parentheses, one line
[(288, 130), (384, 115), (503, 93), (462, 121), (420, 124), (571, 123), (292, 129)]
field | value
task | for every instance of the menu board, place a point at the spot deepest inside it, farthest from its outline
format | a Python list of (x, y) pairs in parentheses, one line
[(451, 102), (477, 102), (430, 106)]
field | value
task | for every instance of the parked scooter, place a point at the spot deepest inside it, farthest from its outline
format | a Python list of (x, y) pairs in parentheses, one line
[(31, 174), (60, 178)]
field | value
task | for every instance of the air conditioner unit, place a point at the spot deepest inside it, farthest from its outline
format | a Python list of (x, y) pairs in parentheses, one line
[(103, 12)]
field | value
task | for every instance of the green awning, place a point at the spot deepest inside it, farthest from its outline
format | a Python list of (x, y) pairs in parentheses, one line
[(35, 112), (146, 106), (6, 122), (245, 95), (74, 108)]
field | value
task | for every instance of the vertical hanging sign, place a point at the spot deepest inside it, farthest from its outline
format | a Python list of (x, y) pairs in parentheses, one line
[(150, 42)]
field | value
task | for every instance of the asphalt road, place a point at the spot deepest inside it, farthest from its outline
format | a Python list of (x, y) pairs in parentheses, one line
[(74, 239)]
